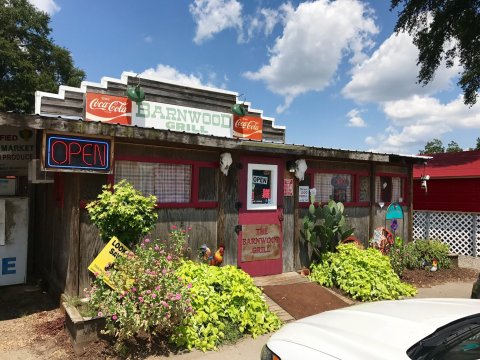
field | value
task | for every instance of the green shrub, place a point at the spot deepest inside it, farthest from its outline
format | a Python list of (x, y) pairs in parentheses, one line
[(123, 212), (147, 294), (417, 253), (363, 274), (223, 298)]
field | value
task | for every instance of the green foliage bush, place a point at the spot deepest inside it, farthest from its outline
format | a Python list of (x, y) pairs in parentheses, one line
[(421, 251), (123, 212), (147, 294), (223, 299), (365, 275)]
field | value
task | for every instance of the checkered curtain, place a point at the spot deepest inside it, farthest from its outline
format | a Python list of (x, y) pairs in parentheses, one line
[(139, 174), (173, 183), (323, 185), (168, 182)]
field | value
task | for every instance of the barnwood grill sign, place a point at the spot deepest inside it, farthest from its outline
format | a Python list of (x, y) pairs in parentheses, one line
[(73, 153)]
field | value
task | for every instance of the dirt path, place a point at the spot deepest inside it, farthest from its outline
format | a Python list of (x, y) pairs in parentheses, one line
[(36, 336)]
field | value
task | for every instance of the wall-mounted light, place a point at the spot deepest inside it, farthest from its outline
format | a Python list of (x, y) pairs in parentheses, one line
[(291, 166), (423, 183), (239, 109), (381, 204)]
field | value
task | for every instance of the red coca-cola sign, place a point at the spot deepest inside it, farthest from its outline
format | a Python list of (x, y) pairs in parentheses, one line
[(248, 127), (108, 109)]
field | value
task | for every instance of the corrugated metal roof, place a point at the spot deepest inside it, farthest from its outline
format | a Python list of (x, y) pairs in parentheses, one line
[(445, 165)]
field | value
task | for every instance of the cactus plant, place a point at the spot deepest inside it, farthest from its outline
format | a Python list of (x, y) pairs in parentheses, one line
[(324, 227)]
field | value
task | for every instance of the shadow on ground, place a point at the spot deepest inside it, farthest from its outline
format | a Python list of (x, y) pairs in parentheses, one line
[(22, 300)]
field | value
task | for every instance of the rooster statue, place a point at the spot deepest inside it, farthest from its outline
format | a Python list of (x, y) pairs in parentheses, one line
[(432, 265), (206, 255)]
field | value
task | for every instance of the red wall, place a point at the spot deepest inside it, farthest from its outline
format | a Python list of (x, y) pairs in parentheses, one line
[(448, 195)]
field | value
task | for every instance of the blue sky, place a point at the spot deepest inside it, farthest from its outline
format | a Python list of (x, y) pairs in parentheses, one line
[(332, 72)]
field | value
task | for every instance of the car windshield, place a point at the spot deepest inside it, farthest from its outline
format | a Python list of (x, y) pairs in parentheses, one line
[(459, 340)]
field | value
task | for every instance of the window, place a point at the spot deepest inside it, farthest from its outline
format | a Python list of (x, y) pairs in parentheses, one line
[(336, 187), (389, 189), (262, 187), (364, 189), (173, 184), (352, 189)]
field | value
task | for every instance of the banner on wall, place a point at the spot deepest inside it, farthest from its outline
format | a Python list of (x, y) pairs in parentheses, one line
[(261, 242), (17, 148), (155, 115)]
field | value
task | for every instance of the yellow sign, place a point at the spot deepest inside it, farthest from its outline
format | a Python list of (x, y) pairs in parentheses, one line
[(106, 257)]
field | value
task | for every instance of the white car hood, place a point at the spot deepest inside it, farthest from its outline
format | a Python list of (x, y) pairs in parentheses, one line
[(371, 330)]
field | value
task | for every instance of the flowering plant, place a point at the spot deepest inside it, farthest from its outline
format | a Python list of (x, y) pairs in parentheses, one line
[(147, 294)]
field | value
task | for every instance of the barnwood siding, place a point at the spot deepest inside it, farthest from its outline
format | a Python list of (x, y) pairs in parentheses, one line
[(73, 103)]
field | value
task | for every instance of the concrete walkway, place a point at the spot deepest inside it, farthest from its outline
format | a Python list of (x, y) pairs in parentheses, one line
[(448, 290)]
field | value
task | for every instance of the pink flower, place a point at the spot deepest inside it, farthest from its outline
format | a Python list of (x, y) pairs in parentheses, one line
[(100, 314), (114, 317), (178, 296), (164, 271), (146, 241), (156, 248), (140, 299), (134, 289), (174, 227), (169, 258), (189, 228), (189, 285), (157, 288), (154, 296)]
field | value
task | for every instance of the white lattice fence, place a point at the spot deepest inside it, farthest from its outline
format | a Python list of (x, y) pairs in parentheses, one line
[(461, 231)]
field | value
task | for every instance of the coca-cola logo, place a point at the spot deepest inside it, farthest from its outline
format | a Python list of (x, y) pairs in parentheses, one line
[(248, 125), (114, 106), (108, 109)]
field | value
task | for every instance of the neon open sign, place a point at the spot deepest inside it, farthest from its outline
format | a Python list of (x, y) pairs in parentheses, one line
[(73, 153)]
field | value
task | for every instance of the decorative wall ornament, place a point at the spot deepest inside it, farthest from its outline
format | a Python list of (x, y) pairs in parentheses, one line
[(301, 167), (225, 162)]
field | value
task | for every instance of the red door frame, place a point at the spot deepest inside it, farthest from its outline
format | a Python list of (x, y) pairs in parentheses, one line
[(251, 217)]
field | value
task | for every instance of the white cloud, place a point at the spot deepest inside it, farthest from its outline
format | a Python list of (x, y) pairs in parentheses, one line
[(166, 72), (391, 74), (148, 39), (419, 119), (48, 6), (214, 16), (315, 38), (355, 120)]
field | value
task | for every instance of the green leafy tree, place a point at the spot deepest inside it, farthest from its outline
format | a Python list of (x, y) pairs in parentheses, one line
[(434, 146), (444, 30), (29, 59), (478, 144), (453, 147), (123, 212)]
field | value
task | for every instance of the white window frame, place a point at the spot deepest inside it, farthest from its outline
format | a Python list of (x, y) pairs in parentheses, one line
[(273, 190)]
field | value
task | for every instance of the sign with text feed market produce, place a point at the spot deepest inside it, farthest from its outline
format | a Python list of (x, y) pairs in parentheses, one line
[(261, 242)]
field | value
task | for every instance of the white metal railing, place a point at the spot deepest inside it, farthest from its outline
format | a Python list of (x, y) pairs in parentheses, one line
[(459, 230)]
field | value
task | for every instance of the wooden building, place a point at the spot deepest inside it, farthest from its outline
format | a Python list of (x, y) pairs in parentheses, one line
[(230, 178)]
